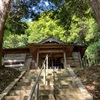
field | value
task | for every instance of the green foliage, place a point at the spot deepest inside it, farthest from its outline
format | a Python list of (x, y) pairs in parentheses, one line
[(14, 25), (93, 37), (43, 28), (71, 7), (93, 52), (14, 29), (15, 41), (82, 30)]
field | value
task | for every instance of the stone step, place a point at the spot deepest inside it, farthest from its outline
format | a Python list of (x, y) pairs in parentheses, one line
[(45, 92), (22, 87), (14, 98), (33, 82), (46, 97), (31, 74), (46, 87), (32, 77), (63, 86), (41, 87), (49, 72), (27, 77), (61, 97), (62, 74), (23, 83), (33, 71), (24, 80), (62, 81), (19, 92)]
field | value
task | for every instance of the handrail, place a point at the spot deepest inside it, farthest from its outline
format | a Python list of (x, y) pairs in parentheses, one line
[(37, 80)]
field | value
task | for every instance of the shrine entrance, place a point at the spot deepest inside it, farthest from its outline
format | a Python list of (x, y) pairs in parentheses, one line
[(57, 52), (55, 61)]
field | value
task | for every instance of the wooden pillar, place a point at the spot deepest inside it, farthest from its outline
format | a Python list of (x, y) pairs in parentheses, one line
[(37, 59), (80, 60), (52, 61), (47, 61), (65, 62)]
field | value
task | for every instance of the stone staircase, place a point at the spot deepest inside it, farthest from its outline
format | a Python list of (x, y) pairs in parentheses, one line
[(23, 87), (59, 86)]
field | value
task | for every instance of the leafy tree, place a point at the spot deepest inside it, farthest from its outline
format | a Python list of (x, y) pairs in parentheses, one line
[(93, 52), (44, 27), (14, 25), (11, 42), (65, 12), (81, 30)]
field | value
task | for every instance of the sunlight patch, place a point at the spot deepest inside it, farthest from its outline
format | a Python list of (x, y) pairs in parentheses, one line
[(46, 3), (1, 4)]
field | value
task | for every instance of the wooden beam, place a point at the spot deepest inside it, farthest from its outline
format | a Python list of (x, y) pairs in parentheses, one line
[(50, 45), (50, 51), (49, 54)]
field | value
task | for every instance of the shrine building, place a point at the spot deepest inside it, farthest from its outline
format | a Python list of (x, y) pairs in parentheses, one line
[(60, 54)]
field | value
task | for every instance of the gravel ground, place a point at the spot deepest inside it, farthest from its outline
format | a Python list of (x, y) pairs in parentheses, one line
[(7, 75)]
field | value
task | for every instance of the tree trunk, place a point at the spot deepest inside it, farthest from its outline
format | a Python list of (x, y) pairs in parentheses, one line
[(1, 43), (4, 6), (95, 4)]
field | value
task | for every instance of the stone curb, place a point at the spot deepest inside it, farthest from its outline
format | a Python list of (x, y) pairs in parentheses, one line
[(80, 85), (10, 86)]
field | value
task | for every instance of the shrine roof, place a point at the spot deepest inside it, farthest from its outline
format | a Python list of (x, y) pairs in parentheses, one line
[(51, 40)]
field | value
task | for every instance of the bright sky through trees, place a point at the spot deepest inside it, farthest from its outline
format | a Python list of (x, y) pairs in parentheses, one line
[(39, 7), (1, 5)]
